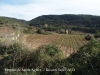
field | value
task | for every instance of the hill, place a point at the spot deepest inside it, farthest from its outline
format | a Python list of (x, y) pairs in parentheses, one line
[(12, 21), (84, 23), (67, 19)]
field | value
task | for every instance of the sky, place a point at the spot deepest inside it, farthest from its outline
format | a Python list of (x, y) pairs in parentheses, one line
[(30, 9)]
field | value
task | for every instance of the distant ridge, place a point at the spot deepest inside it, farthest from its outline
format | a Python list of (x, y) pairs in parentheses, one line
[(8, 20), (67, 19)]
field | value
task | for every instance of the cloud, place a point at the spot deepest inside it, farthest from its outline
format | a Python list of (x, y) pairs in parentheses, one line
[(33, 8)]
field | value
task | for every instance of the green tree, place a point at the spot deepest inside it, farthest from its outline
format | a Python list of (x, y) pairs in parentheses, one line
[(86, 60), (40, 31), (97, 34), (89, 37)]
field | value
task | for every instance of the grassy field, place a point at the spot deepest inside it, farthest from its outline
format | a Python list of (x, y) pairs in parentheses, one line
[(67, 43)]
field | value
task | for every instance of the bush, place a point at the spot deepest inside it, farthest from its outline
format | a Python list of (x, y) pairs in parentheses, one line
[(40, 31), (29, 31), (12, 55), (97, 35), (47, 33), (45, 56), (89, 37), (86, 59), (17, 56)]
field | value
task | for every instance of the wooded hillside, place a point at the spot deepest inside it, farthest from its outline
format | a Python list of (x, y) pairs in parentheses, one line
[(68, 19)]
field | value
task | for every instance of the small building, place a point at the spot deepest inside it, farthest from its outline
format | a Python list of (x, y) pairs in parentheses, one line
[(45, 25), (64, 31)]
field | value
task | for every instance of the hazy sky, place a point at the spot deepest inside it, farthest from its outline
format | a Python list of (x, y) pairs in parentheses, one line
[(29, 9)]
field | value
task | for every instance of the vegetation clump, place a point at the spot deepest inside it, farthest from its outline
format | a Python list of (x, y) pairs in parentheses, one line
[(89, 37), (97, 34), (87, 59), (29, 30)]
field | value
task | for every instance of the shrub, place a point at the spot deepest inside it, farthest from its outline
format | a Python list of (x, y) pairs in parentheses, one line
[(47, 33), (97, 34), (45, 56), (89, 37), (40, 31), (86, 59), (29, 31), (14, 55), (48, 56)]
